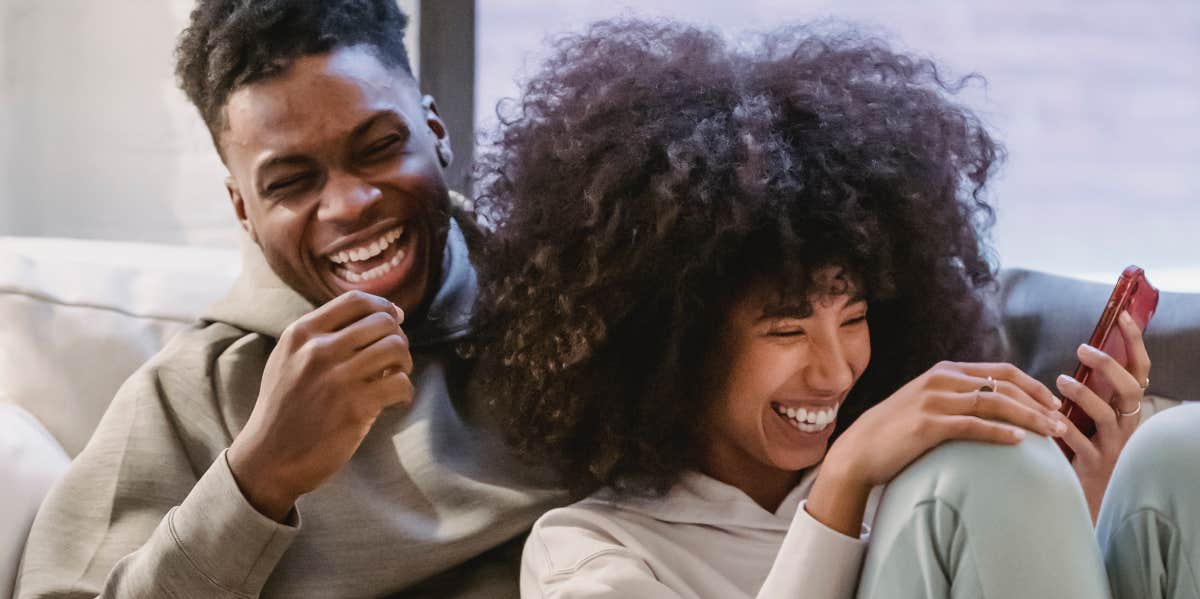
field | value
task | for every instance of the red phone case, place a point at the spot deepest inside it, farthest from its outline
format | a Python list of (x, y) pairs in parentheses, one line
[(1134, 294)]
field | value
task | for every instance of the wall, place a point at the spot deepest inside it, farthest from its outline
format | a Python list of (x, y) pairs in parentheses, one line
[(96, 140), (1097, 102)]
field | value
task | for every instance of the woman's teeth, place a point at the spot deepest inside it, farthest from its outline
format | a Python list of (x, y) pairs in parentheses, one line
[(368, 250), (808, 420)]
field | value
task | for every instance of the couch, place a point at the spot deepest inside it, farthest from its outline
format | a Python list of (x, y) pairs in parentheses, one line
[(77, 317)]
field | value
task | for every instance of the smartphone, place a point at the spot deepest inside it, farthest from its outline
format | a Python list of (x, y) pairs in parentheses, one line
[(1133, 294)]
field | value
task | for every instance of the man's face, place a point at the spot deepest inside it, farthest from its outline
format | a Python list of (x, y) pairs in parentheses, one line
[(334, 174)]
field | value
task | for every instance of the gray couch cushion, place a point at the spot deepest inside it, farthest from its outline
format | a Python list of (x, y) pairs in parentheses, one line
[(1047, 316)]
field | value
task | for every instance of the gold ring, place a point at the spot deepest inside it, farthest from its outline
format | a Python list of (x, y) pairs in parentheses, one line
[(990, 386), (1133, 413)]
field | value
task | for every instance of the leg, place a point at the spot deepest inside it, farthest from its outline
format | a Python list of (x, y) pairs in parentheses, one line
[(1149, 526), (970, 520)]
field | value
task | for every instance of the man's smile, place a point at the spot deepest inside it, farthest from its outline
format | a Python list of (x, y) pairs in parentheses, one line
[(377, 261)]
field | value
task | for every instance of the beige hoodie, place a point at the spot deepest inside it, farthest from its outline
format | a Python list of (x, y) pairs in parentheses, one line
[(431, 504)]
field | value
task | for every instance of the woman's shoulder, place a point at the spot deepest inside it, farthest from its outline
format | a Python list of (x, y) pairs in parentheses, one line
[(566, 539)]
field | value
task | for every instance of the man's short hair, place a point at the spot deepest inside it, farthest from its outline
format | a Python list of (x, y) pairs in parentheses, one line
[(230, 43)]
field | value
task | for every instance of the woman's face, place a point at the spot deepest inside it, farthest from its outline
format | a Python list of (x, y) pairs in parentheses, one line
[(787, 375)]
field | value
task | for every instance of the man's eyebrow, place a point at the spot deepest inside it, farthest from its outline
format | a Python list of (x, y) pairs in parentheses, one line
[(288, 160), (366, 125)]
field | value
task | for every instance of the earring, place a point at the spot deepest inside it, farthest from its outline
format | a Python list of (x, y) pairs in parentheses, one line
[(444, 153)]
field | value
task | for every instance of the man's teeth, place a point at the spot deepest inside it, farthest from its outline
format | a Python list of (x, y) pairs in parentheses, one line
[(378, 271), (368, 250), (808, 420)]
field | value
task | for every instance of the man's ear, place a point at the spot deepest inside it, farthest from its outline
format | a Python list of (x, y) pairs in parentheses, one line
[(239, 208), (442, 137)]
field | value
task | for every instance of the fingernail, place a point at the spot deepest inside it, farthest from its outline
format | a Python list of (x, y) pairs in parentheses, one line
[(1065, 379), (1085, 348), (1126, 318), (1018, 433), (1059, 427), (1056, 402)]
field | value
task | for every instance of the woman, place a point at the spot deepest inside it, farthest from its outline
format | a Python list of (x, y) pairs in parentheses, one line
[(713, 270)]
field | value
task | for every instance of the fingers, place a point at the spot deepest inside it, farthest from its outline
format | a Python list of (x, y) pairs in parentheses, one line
[(971, 428), (342, 311), (394, 388), (1127, 389), (1079, 443), (388, 353), (1097, 409), (999, 407), (1007, 373), (1135, 349), (366, 331)]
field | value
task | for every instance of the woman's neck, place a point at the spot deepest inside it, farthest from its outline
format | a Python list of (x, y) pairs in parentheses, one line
[(766, 485)]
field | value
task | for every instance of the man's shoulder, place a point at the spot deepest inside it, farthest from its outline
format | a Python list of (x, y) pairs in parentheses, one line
[(202, 366)]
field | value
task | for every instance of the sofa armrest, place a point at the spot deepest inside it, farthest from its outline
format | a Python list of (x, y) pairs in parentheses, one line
[(30, 462)]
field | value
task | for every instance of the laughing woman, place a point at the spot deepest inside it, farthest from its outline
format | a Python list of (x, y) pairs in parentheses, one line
[(719, 300)]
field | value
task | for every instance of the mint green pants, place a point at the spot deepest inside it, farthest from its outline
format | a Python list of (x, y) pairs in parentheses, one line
[(1149, 526), (970, 520)]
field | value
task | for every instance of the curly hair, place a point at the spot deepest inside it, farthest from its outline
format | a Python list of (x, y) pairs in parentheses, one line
[(651, 172), (230, 43)]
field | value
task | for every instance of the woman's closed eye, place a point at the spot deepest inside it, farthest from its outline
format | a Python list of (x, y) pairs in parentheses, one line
[(798, 331)]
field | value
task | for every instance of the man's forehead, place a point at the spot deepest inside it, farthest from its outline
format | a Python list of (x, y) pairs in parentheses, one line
[(318, 98)]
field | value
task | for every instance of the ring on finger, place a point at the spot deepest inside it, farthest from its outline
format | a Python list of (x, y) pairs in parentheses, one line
[(1126, 414), (989, 386)]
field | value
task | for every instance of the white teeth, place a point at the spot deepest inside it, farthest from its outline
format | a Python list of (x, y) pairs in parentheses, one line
[(369, 250), (376, 272), (808, 420)]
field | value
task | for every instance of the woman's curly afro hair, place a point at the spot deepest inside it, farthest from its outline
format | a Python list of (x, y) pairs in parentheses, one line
[(651, 172)]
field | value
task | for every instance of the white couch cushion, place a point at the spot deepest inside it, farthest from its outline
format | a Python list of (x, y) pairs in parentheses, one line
[(80, 316), (30, 461)]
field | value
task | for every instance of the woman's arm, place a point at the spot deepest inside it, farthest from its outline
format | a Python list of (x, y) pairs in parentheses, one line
[(993, 403)]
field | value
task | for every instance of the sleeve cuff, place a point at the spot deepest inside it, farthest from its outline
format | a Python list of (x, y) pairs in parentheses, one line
[(815, 561), (224, 537)]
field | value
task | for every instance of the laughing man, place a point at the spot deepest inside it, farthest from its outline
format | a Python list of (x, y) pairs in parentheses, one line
[(313, 434)]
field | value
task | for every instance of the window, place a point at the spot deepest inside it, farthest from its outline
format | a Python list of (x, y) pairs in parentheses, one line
[(1098, 106)]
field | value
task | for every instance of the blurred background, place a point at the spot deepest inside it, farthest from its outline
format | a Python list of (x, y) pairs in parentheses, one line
[(1098, 104)]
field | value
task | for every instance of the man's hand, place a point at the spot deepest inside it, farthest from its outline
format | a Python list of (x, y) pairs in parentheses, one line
[(331, 374)]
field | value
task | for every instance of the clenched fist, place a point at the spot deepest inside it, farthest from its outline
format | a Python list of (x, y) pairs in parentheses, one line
[(331, 374)]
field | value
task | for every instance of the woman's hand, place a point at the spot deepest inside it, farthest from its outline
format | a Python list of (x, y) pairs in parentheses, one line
[(950, 401), (1095, 457)]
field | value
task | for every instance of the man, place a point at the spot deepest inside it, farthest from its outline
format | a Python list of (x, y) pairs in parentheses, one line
[(313, 435)]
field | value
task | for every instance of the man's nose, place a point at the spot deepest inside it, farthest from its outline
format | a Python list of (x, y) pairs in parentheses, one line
[(347, 199)]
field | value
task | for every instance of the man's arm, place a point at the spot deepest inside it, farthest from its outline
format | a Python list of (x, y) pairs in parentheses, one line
[(131, 519), (111, 528)]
